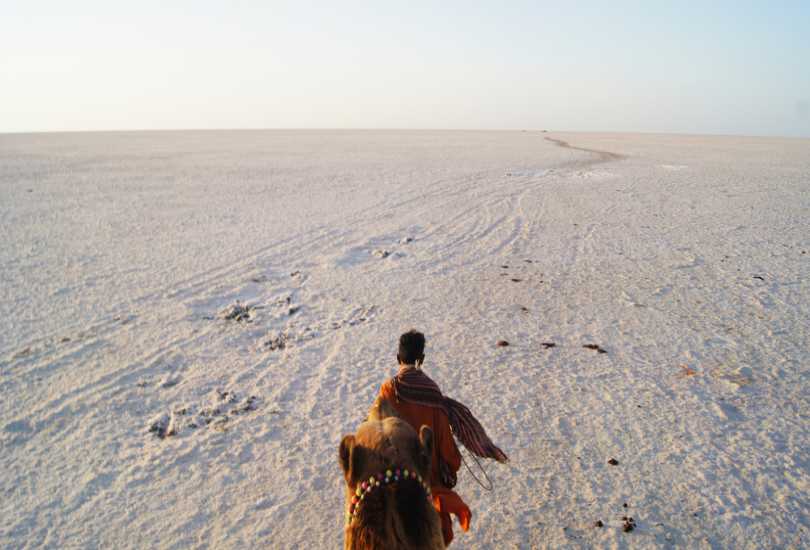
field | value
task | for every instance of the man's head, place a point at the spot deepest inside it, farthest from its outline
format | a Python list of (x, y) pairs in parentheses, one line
[(411, 348)]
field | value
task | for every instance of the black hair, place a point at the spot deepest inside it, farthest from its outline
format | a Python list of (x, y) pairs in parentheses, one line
[(411, 347)]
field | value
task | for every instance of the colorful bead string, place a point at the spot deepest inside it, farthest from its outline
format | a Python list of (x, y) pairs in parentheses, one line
[(373, 482)]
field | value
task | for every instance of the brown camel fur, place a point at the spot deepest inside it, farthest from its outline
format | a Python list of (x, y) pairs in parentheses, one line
[(398, 516)]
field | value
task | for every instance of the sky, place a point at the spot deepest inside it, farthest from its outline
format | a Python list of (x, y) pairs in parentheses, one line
[(684, 66)]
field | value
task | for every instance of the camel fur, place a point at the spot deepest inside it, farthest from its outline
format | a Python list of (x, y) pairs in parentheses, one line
[(396, 516)]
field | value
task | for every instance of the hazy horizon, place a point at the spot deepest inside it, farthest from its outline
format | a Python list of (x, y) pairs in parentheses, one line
[(406, 130), (720, 69)]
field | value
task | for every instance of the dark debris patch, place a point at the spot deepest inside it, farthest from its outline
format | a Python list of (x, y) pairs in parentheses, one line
[(224, 407), (501, 343), (276, 342), (238, 312), (595, 347), (613, 462), (629, 524), (245, 406), (548, 345), (159, 427)]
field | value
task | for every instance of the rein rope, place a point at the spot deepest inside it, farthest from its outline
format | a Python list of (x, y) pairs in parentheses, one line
[(487, 487)]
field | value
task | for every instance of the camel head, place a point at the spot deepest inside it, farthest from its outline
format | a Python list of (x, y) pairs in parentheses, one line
[(396, 512)]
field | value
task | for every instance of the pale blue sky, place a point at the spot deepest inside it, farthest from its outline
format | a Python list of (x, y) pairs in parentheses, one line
[(687, 67)]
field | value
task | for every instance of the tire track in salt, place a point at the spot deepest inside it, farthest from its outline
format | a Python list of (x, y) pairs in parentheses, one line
[(482, 224), (485, 225), (514, 197)]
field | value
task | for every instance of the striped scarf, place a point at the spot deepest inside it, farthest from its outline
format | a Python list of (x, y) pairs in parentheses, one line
[(414, 386)]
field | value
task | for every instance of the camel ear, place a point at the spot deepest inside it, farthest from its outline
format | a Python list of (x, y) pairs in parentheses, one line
[(351, 456), (426, 444), (345, 452)]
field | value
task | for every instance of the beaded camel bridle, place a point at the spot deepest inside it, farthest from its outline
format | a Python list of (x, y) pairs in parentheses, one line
[(381, 479)]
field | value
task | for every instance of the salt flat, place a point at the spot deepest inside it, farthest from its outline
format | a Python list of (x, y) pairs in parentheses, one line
[(685, 258)]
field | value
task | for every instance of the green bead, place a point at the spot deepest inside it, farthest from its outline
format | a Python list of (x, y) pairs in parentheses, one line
[(388, 473)]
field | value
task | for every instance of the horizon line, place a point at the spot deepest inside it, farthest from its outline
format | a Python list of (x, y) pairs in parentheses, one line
[(394, 129)]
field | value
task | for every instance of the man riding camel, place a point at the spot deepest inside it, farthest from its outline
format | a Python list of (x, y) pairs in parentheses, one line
[(419, 401)]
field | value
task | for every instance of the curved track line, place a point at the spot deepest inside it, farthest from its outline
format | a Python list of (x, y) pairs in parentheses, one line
[(604, 156)]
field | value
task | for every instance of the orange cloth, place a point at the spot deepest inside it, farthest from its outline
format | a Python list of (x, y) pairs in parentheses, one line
[(445, 500)]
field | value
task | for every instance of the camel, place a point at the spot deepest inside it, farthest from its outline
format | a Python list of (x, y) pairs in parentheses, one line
[(386, 466)]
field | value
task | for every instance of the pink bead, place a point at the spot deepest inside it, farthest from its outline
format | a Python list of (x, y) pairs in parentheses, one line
[(398, 472), (379, 476), (364, 485)]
